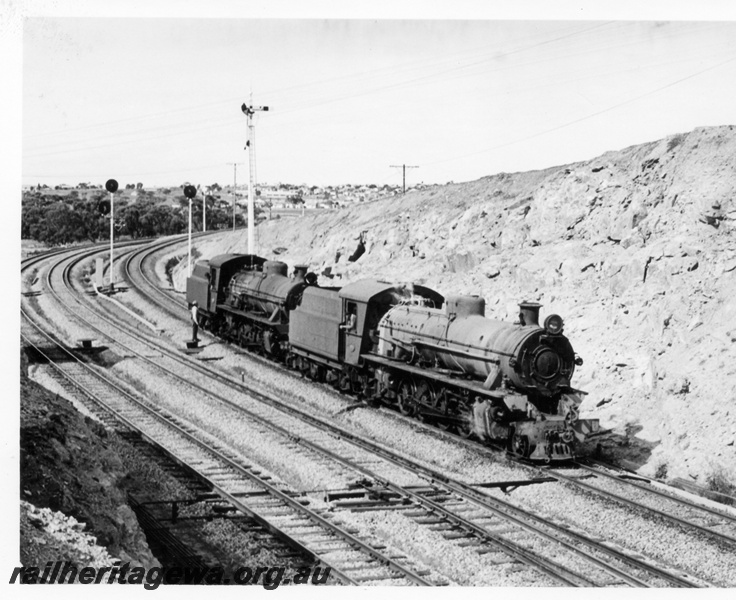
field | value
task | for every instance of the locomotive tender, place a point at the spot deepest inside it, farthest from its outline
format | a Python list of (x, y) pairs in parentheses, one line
[(437, 359)]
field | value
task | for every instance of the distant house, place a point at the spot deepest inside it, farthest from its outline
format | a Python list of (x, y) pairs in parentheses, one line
[(273, 196), (330, 204)]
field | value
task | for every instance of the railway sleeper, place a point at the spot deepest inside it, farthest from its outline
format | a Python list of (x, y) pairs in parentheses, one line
[(458, 535), (443, 527), (390, 575)]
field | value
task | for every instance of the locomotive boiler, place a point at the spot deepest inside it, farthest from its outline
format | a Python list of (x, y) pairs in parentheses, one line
[(270, 293), (459, 337), (508, 381)]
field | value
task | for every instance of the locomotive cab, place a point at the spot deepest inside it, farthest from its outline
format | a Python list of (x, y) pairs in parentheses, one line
[(210, 278), (369, 301)]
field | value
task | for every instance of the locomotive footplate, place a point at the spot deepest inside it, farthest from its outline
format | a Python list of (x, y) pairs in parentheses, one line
[(258, 318), (434, 375)]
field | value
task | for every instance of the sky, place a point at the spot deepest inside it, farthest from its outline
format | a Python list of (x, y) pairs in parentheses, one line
[(158, 100)]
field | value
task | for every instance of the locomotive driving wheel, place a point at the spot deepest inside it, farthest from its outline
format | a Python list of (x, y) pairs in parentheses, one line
[(405, 397), (424, 396), (441, 405)]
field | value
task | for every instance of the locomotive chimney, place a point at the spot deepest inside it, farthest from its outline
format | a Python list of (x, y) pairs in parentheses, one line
[(529, 313), (300, 272)]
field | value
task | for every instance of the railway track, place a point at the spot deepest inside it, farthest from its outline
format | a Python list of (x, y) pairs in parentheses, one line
[(681, 511), (648, 495), (481, 508), (282, 512), (312, 531), (696, 516)]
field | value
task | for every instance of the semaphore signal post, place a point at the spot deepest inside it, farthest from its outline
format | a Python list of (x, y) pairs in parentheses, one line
[(250, 145)]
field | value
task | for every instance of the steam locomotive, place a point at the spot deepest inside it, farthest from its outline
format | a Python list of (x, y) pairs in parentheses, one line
[(437, 359)]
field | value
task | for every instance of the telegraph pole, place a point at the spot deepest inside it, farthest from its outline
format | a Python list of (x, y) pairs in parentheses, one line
[(404, 168), (235, 186), (250, 145)]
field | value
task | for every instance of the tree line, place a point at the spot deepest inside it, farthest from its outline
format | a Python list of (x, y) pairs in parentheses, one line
[(54, 219)]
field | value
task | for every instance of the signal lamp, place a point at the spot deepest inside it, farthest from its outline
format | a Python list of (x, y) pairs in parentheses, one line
[(553, 324)]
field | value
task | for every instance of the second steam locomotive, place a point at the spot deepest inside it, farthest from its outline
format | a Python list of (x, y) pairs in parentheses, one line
[(437, 359)]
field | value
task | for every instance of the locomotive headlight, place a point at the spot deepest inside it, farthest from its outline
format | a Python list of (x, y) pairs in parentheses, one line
[(553, 324)]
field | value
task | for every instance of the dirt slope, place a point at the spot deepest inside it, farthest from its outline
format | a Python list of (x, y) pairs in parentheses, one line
[(71, 465), (635, 249)]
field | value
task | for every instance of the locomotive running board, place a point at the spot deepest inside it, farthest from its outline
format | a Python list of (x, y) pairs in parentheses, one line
[(282, 327), (419, 372)]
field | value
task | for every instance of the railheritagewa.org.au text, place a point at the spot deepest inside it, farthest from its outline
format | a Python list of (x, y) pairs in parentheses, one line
[(66, 572)]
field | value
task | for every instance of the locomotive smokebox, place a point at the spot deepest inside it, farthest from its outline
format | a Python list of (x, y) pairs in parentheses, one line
[(300, 272), (275, 267), (529, 314), (465, 306)]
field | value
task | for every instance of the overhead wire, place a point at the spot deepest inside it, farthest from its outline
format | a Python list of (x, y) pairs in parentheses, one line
[(319, 83), (586, 117), (182, 130), (212, 125), (300, 106), (208, 126)]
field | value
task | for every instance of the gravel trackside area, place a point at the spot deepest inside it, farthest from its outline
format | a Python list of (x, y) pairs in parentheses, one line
[(461, 565), (629, 528), (264, 449)]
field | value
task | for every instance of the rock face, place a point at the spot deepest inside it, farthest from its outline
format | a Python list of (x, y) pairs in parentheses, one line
[(69, 465), (635, 249)]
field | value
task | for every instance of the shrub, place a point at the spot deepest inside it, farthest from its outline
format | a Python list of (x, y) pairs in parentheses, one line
[(723, 490)]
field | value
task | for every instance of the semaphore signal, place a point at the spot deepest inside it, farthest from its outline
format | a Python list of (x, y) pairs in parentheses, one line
[(250, 145)]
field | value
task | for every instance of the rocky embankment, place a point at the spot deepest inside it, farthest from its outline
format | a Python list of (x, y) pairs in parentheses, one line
[(635, 249), (74, 479)]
